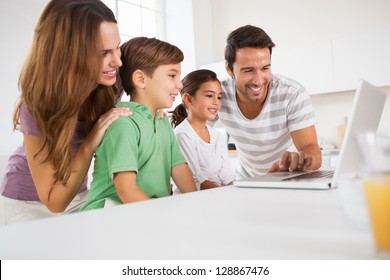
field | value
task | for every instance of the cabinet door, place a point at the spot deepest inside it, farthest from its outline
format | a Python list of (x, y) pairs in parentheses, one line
[(332, 66), (310, 65), (364, 56)]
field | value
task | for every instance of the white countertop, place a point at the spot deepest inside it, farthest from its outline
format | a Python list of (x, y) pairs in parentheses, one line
[(224, 223)]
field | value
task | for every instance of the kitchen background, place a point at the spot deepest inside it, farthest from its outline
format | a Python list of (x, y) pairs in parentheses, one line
[(325, 45)]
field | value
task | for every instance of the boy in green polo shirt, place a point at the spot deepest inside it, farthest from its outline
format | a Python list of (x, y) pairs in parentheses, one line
[(139, 154)]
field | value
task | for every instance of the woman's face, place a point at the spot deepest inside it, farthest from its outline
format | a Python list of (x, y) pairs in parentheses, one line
[(111, 53)]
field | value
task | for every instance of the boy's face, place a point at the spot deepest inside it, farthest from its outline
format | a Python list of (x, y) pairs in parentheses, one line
[(164, 86)]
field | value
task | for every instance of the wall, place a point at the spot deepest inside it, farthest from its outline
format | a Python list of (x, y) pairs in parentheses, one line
[(300, 24), (180, 32), (17, 21), (332, 108), (199, 28)]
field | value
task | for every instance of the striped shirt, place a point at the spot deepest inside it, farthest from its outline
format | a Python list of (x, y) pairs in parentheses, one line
[(261, 141)]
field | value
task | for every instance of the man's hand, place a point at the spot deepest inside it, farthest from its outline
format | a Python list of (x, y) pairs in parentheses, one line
[(291, 161)]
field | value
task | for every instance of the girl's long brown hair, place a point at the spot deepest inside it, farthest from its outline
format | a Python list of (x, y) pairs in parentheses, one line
[(58, 81)]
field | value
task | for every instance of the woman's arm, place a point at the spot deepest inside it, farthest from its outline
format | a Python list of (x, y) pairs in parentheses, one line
[(57, 195)]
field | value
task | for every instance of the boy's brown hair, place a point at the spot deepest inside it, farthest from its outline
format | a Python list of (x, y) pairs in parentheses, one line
[(145, 54)]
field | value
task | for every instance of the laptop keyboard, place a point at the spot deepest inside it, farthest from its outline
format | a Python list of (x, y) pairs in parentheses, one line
[(312, 175)]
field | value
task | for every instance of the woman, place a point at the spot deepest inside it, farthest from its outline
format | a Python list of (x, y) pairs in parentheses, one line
[(67, 96)]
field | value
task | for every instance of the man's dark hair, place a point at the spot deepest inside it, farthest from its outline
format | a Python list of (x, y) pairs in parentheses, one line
[(244, 37)]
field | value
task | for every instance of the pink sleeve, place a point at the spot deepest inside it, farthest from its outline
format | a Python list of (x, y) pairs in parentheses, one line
[(27, 121)]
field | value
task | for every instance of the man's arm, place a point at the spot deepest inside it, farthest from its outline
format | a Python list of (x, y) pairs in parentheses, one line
[(308, 156)]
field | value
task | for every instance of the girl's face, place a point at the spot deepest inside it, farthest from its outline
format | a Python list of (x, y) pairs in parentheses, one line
[(111, 53), (206, 102)]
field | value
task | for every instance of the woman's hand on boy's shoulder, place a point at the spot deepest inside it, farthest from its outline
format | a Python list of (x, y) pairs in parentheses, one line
[(161, 114)]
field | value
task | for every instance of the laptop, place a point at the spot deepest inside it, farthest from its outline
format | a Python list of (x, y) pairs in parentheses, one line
[(365, 116)]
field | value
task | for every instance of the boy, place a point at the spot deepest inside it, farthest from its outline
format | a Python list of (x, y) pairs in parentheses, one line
[(139, 154)]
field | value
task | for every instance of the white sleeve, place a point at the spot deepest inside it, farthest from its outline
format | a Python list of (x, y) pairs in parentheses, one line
[(226, 173), (189, 149)]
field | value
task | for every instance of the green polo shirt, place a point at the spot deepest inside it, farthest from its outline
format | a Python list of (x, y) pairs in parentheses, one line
[(136, 143)]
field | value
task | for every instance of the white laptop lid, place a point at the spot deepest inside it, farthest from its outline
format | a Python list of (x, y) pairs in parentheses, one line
[(365, 116)]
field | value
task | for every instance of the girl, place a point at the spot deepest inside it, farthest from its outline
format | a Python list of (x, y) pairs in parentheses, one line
[(202, 145), (67, 96)]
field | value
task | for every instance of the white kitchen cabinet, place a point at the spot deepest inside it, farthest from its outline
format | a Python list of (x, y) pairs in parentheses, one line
[(332, 66), (310, 65), (365, 55), (338, 64)]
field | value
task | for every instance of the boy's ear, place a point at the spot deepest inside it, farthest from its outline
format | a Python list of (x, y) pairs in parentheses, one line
[(139, 78)]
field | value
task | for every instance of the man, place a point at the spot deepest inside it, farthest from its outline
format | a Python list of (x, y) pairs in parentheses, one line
[(266, 114)]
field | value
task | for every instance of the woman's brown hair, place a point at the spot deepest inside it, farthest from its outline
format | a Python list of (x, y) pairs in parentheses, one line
[(58, 81)]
